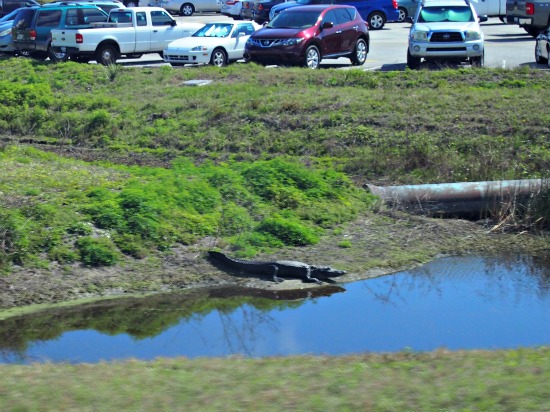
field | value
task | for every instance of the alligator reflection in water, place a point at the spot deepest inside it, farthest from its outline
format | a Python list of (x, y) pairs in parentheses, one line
[(147, 317), (465, 302)]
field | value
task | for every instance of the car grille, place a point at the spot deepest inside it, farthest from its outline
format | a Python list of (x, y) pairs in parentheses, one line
[(445, 49), (446, 37), (175, 58), (266, 42)]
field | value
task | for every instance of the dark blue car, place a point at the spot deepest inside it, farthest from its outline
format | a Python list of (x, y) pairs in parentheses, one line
[(375, 12)]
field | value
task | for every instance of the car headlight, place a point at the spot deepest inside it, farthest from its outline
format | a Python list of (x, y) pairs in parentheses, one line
[(472, 35), (199, 48), (291, 42), (419, 35), (5, 32)]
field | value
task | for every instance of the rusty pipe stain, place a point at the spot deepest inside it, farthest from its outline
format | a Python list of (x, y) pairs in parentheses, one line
[(458, 197)]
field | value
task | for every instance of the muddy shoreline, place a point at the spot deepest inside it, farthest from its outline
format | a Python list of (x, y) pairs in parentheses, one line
[(381, 243)]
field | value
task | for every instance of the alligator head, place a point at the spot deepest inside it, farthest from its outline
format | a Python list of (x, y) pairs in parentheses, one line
[(326, 272)]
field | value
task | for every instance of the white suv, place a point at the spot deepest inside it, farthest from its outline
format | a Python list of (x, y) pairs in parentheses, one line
[(445, 29)]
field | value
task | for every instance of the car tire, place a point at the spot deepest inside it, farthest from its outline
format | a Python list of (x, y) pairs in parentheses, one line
[(478, 61), (187, 9), (312, 58), (218, 58), (106, 55), (359, 55), (402, 14), (538, 55), (376, 20), (57, 57), (413, 62)]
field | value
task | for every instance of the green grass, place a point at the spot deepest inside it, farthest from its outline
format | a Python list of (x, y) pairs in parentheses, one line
[(261, 159), (510, 380)]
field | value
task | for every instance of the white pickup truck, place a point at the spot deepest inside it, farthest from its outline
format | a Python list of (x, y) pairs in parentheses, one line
[(129, 32)]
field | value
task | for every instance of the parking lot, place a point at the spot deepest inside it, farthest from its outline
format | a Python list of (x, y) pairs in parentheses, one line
[(506, 46)]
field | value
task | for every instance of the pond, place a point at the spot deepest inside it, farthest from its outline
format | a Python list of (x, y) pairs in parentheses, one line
[(467, 302)]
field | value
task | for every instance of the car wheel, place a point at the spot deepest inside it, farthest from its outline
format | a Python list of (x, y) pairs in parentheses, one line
[(478, 61), (187, 9), (218, 58), (538, 54), (376, 20), (107, 55), (313, 58), (359, 56), (402, 14), (413, 62), (57, 57)]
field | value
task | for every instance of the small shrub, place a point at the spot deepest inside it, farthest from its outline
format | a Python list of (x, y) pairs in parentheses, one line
[(344, 244), (97, 251)]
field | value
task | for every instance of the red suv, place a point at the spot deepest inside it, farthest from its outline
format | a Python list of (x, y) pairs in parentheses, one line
[(306, 34)]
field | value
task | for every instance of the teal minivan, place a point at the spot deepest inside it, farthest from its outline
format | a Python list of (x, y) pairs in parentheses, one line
[(32, 26)]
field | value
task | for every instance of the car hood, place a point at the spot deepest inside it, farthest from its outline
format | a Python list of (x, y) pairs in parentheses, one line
[(447, 26), (190, 42), (267, 33)]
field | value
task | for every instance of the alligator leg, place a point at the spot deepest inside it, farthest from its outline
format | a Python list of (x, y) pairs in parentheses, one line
[(275, 277), (309, 278)]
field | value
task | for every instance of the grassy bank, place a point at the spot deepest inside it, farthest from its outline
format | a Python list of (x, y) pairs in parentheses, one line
[(511, 380), (120, 167)]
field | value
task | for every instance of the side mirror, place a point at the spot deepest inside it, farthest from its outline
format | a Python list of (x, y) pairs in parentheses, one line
[(173, 23), (482, 19), (327, 25)]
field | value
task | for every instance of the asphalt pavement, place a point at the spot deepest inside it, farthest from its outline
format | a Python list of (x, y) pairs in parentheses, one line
[(506, 46)]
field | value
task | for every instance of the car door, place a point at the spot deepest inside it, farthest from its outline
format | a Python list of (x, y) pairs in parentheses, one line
[(163, 31), (329, 36), (347, 28), (143, 32), (46, 20), (240, 35)]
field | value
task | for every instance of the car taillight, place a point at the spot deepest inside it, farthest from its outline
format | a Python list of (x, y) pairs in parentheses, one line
[(32, 35), (529, 8), (230, 3), (260, 7), (79, 38), (395, 5)]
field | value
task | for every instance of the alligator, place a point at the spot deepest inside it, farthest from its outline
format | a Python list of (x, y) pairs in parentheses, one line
[(280, 268)]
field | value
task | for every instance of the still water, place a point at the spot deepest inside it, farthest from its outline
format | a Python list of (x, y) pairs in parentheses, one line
[(456, 303)]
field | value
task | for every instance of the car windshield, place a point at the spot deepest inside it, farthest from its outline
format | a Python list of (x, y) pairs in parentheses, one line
[(294, 20), (214, 30), (445, 13)]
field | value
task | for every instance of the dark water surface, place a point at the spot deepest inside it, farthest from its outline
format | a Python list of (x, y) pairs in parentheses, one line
[(457, 303)]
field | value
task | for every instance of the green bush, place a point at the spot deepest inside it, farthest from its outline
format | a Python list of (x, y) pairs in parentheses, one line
[(290, 232), (97, 251)]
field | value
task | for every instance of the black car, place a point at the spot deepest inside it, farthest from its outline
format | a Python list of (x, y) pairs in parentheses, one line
[(7, 6), (261, 9)]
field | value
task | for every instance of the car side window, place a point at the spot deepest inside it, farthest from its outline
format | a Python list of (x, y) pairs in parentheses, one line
[(92, 16), (71, 18), (330, 17), (48, 18), (160, 18), (246, 28), (141, 18), (342, 16)]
